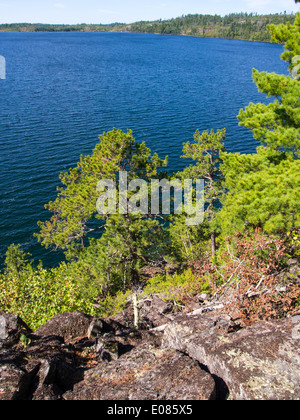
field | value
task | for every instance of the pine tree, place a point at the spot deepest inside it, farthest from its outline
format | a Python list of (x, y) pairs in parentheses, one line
[(263, 189), (262, 192), (127, 241), (277, 125), (205, 151), (74, 211)]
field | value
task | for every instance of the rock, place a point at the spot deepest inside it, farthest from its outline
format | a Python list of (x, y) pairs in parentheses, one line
[(95, 328), (292, 261), (291, 274), (69, 326), (199, 356), (261, 362), (154, 312), (46, 393), (100, 326), (203, 297), (14, 382), (45, 366), (11, 328), (146, 373), (45, 369), (108, 349)]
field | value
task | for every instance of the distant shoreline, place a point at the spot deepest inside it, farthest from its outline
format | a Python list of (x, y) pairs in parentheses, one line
[(238, 26), (127, 32)]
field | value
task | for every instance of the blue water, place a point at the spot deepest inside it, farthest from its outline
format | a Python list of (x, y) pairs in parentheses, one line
[(64, 89)]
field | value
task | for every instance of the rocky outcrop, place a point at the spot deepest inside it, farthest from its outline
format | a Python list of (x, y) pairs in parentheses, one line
[(197, 357), (261, 362), (146, 373), (77, 357)]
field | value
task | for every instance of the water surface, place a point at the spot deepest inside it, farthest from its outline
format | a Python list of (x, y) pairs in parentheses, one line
[(64, 89)]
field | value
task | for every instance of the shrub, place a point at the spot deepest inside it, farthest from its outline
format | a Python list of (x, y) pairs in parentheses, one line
[(37, 294), (179, 287)]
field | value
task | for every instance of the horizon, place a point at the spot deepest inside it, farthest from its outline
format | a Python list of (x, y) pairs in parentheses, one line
[(91, 12)]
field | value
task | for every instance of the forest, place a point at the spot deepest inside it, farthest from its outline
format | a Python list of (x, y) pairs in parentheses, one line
[(249, 235), (251, 27)]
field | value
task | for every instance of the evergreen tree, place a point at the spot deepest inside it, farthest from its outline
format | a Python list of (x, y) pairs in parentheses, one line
[(263, 189), (127, 240), (74, 211), (262, 192), (205, 151), (277, 125)]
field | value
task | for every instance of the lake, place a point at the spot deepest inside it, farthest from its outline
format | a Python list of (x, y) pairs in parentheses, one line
[(64, 89)]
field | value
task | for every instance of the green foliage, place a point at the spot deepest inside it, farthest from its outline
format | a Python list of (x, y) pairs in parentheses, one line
[(263, 190), (265, 194), (25, 341), (37, 294), (289, 34), (246, 26), (114, 304), (277, 125), (294, 242), (187, 242), (74, 211), (175, 287), (206, 151), (126, 242), (114, 261), (16, 262)]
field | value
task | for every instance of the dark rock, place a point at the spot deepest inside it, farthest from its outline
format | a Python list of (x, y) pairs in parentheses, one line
[(47, 366), (201, 356), (96, 328), (15, 382), (69, 326), (11, 328), (109, 349), (46, 393), (146, 373), (154, 311), (100, 326), (43, 369)]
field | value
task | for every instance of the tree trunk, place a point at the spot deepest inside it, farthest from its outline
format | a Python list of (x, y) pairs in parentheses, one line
[(136, 310), (213, 243)]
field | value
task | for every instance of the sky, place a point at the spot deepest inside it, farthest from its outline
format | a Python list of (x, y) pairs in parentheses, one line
[(128, 11)]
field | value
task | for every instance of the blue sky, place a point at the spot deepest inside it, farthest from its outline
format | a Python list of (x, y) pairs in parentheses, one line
[(107, 11)]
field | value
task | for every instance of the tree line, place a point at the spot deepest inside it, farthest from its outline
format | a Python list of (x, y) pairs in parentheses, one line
[(246, 26)]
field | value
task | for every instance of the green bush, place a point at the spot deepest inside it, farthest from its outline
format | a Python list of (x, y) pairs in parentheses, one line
[(37, 294), (114, 304), (178, 286)]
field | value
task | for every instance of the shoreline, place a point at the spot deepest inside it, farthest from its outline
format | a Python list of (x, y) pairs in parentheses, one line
[(131, 32)]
